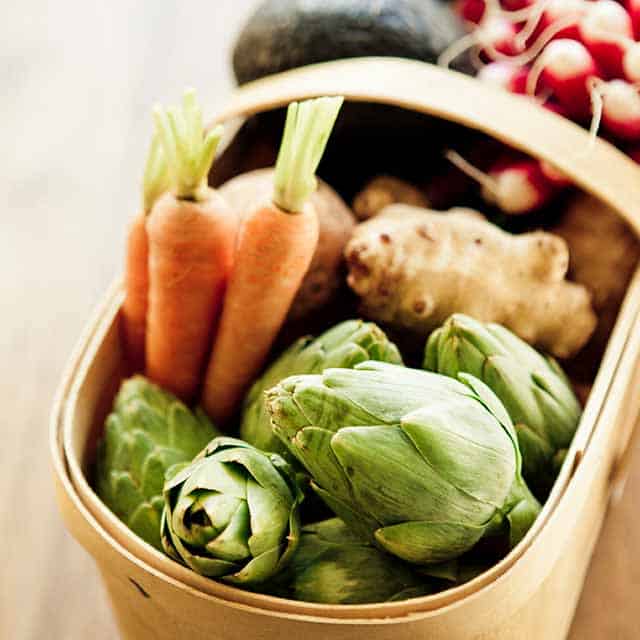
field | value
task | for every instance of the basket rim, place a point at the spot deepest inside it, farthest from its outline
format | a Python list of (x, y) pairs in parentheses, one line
[(245, 102)]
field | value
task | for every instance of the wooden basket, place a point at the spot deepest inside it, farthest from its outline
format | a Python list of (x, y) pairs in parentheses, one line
[(532, 593)]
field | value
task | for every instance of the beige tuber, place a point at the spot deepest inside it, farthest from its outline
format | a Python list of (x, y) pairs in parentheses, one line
[(383, 191), (413, 268)]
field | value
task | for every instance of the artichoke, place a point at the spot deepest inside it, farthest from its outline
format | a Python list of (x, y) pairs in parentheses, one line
[(148, 431), (333, 566), (532, 387), (344, 345), (421, 464), (232, 514)]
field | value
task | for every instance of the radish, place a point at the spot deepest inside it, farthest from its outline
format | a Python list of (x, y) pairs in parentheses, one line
[(549, 14), (515, 187), (565, 67), (601, 28), (633, 9), (617, 105), (631, 61), (556, 177), (471, 10), (494, 36), (507, 76)]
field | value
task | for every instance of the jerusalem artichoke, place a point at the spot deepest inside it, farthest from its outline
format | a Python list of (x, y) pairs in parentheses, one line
[(413, 267), (383, 191)]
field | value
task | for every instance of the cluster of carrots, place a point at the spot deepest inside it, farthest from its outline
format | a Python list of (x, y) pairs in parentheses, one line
[(207, 288), (578, 58)]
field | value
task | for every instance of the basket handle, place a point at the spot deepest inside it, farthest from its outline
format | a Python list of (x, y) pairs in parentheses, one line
[(600, 169)]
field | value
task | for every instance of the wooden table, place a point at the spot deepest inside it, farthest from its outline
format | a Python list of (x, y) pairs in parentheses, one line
[(79, 82)]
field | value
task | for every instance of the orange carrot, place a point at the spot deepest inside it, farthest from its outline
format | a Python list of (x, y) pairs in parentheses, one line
[(136, 276), (192, 234), (276, 243)]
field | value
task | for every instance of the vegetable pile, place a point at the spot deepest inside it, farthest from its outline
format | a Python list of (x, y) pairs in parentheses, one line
[(578, 58), (391, 456)]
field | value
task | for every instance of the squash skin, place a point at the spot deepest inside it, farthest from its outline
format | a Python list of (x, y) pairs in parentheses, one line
[(285, 34)]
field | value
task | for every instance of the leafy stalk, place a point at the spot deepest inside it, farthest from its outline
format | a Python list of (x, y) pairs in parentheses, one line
[(156, 179), (188, 148), (306, 132)]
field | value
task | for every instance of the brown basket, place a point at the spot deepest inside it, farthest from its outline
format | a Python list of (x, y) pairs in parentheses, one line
[(532, 593)]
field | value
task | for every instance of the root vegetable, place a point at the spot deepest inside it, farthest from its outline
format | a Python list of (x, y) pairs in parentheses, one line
[(336, 222), (565, 67), (601, 28), (412, 268), (276, 244), (192, 233), (516, 187), (506, 75), (136, 272), (383, 191), (604, 253), (617, 106)]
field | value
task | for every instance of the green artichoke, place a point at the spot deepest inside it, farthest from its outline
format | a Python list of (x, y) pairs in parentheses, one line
[(533, 388), (344, 345), (232, 514), (333, 566), (421, 464), (148, 431)]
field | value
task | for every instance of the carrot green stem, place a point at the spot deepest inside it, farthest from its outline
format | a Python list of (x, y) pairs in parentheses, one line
[(306, 132), (188, 149), (156, 174)]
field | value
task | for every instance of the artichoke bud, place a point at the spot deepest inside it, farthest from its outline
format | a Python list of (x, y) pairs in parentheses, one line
[(344, 345), (334, 566), (533, 388), (233, 513), (148, 432), (417, 463)]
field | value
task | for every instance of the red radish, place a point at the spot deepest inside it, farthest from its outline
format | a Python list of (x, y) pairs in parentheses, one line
[(554, 175), (631, 61), (471, 10), (634, 154), (550, 15), (515, 187), (565, 67), (494, 37), (633, 9), (507, 76), (617, 104), (601, 28)]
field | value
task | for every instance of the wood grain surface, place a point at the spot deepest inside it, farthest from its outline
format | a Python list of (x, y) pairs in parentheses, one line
[(79, 80)]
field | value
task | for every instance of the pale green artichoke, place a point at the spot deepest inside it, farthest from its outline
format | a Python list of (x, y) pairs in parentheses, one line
[(333, 566), (532, 387), (344, 345), (421, 464), (148, 431), (232, 514)]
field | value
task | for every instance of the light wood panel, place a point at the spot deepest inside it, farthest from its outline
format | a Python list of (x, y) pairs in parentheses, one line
[(78, 82)]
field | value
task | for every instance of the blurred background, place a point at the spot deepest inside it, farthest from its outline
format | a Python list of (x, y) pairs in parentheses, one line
[(79, 80)]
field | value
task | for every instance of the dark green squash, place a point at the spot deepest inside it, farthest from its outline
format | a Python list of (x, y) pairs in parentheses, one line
[(285, 34)]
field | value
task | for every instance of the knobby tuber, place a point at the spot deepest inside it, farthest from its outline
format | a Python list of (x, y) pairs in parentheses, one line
[(412, 268), (604, 253), (382, 191)]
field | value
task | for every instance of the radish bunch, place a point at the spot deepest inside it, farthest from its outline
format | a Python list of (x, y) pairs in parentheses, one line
[(579, 58)]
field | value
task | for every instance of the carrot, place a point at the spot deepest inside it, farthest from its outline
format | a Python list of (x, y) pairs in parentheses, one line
[(276, 243), (136, 277), (192, 234)]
